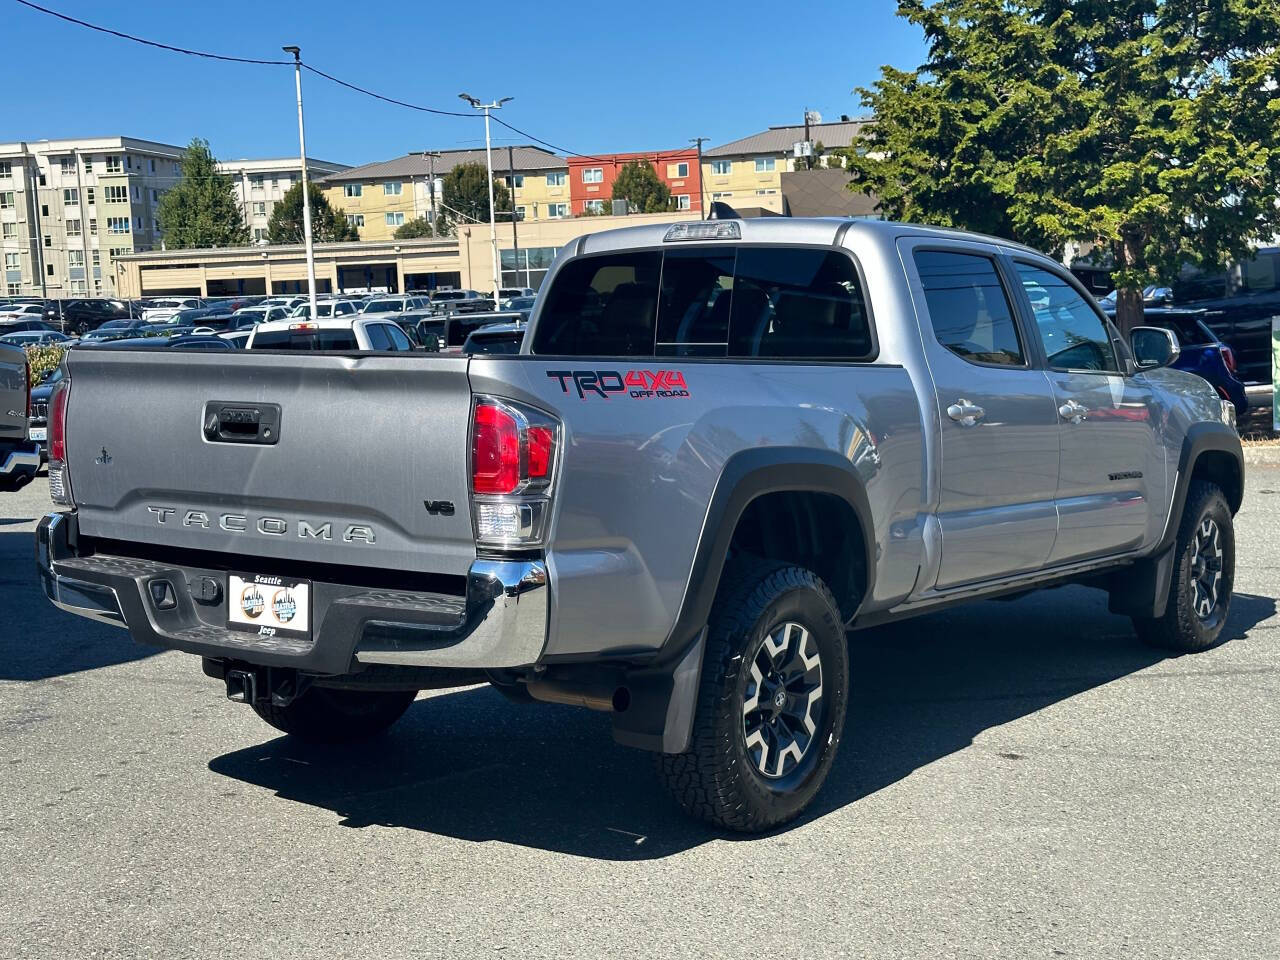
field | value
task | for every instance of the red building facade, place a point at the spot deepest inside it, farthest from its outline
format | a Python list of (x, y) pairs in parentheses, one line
[(591, 178)]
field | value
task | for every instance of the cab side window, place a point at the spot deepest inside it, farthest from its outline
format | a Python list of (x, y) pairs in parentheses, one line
[(398, 339), (1074, 336), (378, 339), (968, 307)]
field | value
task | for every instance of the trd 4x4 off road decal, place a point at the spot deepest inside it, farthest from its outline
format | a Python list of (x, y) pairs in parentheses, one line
[(637, 384)]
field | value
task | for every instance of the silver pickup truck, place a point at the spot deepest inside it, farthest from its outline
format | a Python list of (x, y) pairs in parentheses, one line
[(19, 457), (723, 444)]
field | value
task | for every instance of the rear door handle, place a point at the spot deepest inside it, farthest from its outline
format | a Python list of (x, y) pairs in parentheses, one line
[(1073, 412), (965, 413)]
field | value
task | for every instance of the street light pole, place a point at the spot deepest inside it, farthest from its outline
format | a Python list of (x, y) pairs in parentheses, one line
[(488, 153), (306, 195), (515, 236)]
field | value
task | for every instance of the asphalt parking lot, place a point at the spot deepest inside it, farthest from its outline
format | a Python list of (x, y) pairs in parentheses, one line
[(1018, 779)]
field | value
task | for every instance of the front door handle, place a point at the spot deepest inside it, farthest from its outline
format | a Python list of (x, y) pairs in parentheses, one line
[(1072, 412), (965, 413)]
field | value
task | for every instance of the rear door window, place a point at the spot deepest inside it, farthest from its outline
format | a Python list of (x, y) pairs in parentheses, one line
[(1074, 336), (605, 305), (968, 307)]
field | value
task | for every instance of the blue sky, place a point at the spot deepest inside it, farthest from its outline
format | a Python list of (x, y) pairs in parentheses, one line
[(588, 77)]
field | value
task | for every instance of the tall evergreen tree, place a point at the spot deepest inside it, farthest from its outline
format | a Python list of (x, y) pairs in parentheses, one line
[(638, 183), (327, 224), (201, 209), (465, 191), (1150, 128)]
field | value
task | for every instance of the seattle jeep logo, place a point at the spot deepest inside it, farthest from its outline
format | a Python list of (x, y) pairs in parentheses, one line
[(267, 526), (251, 601), (284, 606)]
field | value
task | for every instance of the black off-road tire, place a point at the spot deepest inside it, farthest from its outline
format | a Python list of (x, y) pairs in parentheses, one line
[(1183, 628), (718, 779), (330, 716)]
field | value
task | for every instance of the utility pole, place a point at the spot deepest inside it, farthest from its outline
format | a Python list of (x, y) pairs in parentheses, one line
[(306, 196), (488, 154), (808, 158), (431, 156), (515, 236), (702, 194)]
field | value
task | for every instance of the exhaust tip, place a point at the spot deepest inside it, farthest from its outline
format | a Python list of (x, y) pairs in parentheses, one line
[(621, 700)]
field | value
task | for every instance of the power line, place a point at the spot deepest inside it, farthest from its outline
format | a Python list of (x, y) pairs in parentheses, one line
[(378, 96), (153, 43)]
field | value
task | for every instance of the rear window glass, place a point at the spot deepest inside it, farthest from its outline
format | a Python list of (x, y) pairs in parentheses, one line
[(1186, 329), (783, 302), (305, 340)]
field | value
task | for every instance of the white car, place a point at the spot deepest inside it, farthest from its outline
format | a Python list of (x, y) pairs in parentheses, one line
[(158, 311), (395, 304), (351, 333), (326, 309), (22, 311)]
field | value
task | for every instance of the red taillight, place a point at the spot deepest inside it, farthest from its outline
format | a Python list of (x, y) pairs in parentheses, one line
[(495, 451), (58, 421), (1228, 357), (541, 448)]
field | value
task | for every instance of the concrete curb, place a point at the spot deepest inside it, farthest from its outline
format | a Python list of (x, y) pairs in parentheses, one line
[(1262, 456)]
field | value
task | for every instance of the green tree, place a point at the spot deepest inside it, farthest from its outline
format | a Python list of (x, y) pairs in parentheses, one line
[(465, 193), (327, 224), (412, 229), (201, 209), (1150, 128), (637, 183)]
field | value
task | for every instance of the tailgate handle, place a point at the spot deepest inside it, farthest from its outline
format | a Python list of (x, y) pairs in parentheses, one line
[(226, 421)]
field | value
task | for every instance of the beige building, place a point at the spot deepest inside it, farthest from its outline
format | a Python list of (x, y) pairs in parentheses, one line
[(378, 198), (464, 261), (260, 185), (747, 173), (70, 209)]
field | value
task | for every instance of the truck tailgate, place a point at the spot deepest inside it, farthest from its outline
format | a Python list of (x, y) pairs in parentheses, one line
[(361, 443)]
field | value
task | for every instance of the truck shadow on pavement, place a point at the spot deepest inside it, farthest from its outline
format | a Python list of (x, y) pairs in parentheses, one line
[(471, 765), (39, 641)]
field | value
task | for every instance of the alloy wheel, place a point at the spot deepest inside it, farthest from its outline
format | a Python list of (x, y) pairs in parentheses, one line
[(782, 707), (1206, 570)]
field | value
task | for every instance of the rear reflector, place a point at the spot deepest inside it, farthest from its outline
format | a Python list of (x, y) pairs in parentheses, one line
[(541, 446)]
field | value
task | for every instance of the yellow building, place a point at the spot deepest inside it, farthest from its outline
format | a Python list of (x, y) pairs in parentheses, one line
[(748, 173), (377, 198)]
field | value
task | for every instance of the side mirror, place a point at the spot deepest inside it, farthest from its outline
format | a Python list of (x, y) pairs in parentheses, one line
[(1153, 347)]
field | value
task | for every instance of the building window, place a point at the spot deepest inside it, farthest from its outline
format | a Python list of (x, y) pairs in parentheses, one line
[(10, 229), (113, 165), (117, 224), (521, 213), (93, 226), (137, 192), (11, 261), (155, 226), (556, 179), (765, 193), (128, 160), (593, 206), (49, 269), (6, 168), (259, 209), (41, 178), (70, 197), (765, 164), (97, 258), (592, 175), (139, 224), (352, 189), (395, 219), (557, 210), (516, 182), (88, 194), (75, 258), (721, 168), (680, 201), (151, 164), (119, 252), (118, 194), (677, 171), (392, 188), (355, 219), (68, 165), (44, 209), (6, 199), (155, 196), (722, 195), (259, 235), (73, 228), (78, 286), (14, 289)]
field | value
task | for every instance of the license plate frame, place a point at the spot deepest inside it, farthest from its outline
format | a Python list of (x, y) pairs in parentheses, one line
[(269, 606), (38, 434)]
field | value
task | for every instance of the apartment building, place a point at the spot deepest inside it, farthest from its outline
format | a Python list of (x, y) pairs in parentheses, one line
[(591, 178), (377, 198), (260, 185), (69, 208), (748, 172)]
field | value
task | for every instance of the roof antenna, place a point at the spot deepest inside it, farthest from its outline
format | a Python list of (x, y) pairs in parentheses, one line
[(722, 211)]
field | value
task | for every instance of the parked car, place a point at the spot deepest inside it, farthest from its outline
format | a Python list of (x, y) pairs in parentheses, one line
[(178, 342), (495, 338), (22, 338), (81, 315), (508, 293), (398, 303), (114, 330), (237, 338), (159, 310), (350, 333), (326, 309), (22, 311), (19, 455), (38, 422), (459, 326), (1202, 352), (25, 326), (669, 507), (444, 300), (252, 316), (522, 304)]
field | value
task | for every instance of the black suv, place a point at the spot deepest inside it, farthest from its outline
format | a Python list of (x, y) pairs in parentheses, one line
[(83, 315)]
